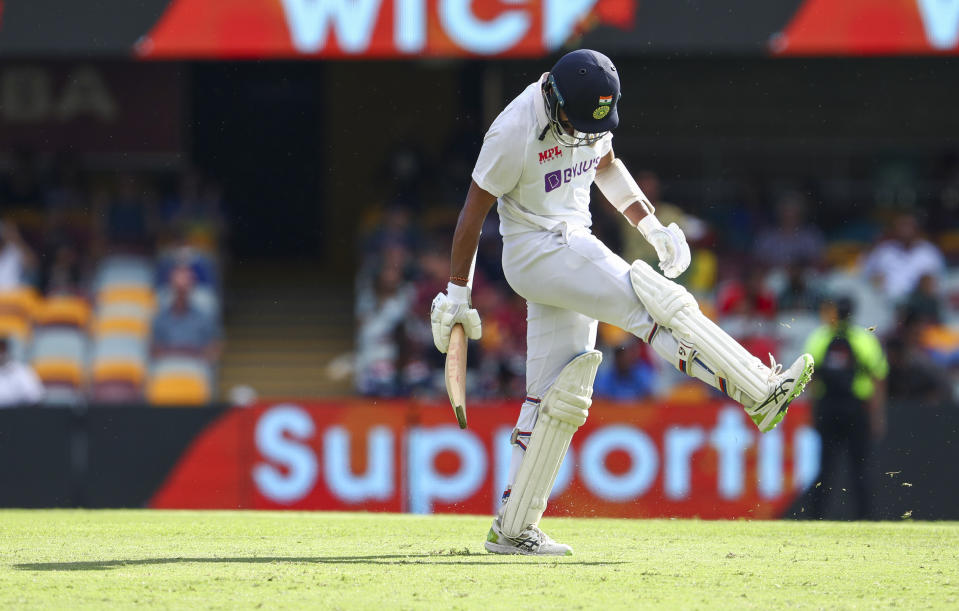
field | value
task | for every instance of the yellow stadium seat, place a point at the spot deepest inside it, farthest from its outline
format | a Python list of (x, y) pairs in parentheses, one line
[(14, 325), (130, 372), (72, 311), (129, 294), (612, 335), (178, 390), (122, 326), (59, 371), (20, 301)]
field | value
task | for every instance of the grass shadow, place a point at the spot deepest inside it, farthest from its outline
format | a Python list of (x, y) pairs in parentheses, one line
[(391, 559)]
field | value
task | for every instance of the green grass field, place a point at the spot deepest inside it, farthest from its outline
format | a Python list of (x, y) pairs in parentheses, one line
[(204, 560)]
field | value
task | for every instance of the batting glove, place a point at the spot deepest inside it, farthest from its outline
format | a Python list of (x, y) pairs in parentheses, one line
[(450, 308), (670, 244)]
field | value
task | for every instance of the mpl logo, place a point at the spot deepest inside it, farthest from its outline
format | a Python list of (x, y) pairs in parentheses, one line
[(550, 154)]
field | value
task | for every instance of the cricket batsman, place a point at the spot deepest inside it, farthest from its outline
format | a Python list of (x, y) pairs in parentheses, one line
[(538, 161)]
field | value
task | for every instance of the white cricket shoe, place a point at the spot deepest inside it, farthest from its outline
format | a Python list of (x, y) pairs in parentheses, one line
[(784, 387), (530, 542)]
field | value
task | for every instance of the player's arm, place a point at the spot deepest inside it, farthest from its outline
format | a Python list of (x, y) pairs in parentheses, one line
[(619, 187), (497, 171), (454, 305), (466, 236)]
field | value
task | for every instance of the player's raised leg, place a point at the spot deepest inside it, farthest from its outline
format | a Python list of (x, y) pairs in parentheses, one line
[(765, 392), (605, 287)]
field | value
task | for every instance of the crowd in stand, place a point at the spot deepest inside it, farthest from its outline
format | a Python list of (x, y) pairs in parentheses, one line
[(761, 269), (109, 283)]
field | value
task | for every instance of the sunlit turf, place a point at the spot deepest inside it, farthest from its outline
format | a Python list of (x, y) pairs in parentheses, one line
[(203, 560)]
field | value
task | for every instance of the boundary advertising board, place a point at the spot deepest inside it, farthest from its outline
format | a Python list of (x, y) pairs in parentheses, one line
[(650, 460)]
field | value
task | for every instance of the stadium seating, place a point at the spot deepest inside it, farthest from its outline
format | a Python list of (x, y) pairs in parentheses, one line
[(123, 318), (119, 366), (19, 302), (58, 356), (117, 293), (124, 271), (18, 350), (15, 326), (180, 380), (63, 311)]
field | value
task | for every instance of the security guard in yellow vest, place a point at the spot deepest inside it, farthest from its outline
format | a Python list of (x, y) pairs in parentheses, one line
[(849, 392)]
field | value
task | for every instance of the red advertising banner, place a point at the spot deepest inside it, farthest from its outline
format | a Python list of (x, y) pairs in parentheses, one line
[(375, 28), (643, 460), (871, 27)]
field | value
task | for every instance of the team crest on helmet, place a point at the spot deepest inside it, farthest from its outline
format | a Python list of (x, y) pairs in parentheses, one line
[(605, 102)]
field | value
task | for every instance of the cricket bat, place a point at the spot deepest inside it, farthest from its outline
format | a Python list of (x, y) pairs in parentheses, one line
[(456, 373)]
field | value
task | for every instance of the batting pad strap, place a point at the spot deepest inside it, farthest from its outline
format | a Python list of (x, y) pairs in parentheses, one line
[(568, 407), (671, 305), (563, 410), (618, 186)]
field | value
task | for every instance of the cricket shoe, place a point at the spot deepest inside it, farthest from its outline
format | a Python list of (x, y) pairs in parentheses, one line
[(530, 542), (784, 386)]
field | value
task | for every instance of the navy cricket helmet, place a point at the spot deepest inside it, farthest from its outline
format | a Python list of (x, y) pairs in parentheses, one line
[(585, 84)]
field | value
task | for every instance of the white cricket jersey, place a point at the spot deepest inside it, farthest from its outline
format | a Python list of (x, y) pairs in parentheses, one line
[(540, 184)]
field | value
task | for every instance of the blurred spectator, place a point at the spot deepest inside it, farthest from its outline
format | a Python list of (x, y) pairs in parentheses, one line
[(628, 378), (16, 258), (127, 218), (924, 301), (503, 356), (382, 309), (747, 296), (792, 240), (64, 273), (914, 374), (849, 394), (63, 192), (195, 213), (897, 264), (797, 294), (67, 210), (182, 254), (182, 327), (395, 229), (390, 254), (19, 385)]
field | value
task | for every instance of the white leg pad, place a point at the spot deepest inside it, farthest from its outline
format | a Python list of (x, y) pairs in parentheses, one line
[(671, 305), (564, 409)]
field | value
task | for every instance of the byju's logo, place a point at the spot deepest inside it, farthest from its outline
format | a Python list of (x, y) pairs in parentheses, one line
[(554, 180)]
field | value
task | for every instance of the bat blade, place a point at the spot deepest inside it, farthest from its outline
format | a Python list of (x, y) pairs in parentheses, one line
[(456, 373)]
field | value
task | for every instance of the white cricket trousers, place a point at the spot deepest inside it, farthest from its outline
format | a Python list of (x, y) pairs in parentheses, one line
[(570, 280)]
